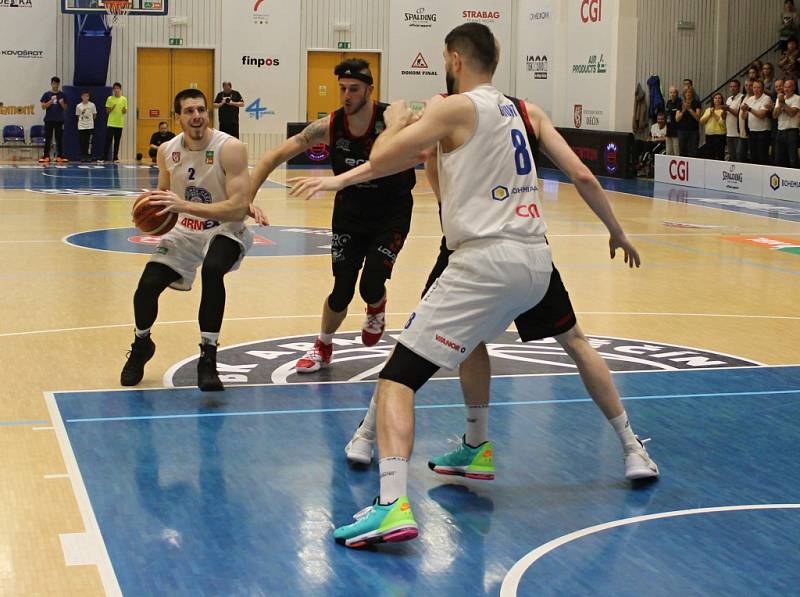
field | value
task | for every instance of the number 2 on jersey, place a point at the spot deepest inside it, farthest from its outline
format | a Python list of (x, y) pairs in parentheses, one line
[(522, 159), (191, 173)]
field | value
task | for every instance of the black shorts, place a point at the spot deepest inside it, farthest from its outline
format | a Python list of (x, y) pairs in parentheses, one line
[(373, 233), (552, 316)]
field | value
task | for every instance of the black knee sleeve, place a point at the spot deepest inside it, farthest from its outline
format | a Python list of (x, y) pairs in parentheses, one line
[(408, 368), (344, 288), (373, 282)]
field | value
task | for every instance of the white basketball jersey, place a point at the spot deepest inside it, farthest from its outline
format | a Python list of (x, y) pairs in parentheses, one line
[(197, 176), (489, 186)]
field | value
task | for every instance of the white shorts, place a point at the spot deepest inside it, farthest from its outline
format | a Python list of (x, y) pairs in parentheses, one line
[(486, 285), (183, 250)]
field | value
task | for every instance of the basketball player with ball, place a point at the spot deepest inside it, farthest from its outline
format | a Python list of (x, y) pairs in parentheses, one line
[(199, 208)]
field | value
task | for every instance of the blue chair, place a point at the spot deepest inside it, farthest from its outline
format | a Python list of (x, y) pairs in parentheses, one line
[(13, 133), (37, 134)]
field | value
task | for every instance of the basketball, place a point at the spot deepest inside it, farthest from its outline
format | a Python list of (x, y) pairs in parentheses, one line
[(147, 220)]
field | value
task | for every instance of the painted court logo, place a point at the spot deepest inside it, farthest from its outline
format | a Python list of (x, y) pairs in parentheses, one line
[(272, 361)]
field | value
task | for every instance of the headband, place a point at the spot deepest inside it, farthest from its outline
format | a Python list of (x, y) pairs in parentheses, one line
[(364, 77)]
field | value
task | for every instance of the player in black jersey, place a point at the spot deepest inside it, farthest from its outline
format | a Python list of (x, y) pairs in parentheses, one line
[(370, 220)]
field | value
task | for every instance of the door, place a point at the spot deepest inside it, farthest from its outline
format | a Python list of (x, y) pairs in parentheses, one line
[(161, 74), (323, 88)]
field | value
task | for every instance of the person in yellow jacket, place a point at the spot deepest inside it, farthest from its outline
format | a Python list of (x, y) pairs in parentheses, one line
[(117, 108), (713, 119)]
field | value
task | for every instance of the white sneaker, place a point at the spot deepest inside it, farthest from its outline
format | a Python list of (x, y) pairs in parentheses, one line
[(359, 448), (638, 464)]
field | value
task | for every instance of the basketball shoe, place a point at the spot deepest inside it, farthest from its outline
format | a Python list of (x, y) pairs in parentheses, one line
[(359, 448), (374, 324), (638, 464), (142, 350), (315, 359), (466, 461), (379, 524)]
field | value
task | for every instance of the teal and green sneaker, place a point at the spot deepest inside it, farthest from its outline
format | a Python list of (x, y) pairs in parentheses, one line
[(466, 461), (378, 524)]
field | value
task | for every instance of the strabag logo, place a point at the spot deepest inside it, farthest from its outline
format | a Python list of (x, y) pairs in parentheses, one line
[(481, 16), (272, 361), (537, 65), (593, 66), (420, 18), (23, 53), (419, 66)]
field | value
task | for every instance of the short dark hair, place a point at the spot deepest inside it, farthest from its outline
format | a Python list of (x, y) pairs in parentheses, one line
[(55, 80), (162, 122), (85, 92), (735, 81), (352, 65), (476, 42), (792, 38), (691, 83), (117, 85), (188, 94)]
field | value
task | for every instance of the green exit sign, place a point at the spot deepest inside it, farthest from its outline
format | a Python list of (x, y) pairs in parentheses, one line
[(343, 45), (176, 41)]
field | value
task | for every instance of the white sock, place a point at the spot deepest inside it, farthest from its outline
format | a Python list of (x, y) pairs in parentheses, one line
[(209, 338), (368, 425), (622, 426), (326, 338), (477, 425), (142, 333), (394, 478)]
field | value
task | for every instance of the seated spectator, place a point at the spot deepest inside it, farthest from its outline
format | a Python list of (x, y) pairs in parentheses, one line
[(732, 105), (759, 115), (162, 135), (790, 59), (714, 121), (768, 78), (688, 118), (658, 132), (787, 113)]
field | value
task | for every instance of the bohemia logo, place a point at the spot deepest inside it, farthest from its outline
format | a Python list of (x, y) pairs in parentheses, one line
[(591, 10), (679, 170), (577, 116)]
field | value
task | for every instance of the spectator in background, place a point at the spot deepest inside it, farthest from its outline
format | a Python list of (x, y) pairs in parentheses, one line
[(713, 119), (53, 104), (789, 23), (117, 108), (787, 113), (162, 135), (227, 103), (768, 78), (744, 133), (774, 120), (658, 132), (759, 109), (790, 59), (732, 105), (688, 118), (672, 107), (86, 112), (753, 73)]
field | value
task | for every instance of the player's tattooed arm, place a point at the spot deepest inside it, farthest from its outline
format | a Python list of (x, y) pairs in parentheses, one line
[(315, 133)]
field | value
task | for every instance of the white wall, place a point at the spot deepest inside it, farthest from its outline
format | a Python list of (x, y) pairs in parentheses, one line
[(727, 34)]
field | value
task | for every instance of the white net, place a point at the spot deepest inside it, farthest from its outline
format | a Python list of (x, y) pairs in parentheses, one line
[(118, 11)]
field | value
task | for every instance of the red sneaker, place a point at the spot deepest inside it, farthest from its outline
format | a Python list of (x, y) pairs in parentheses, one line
[(374, 324), (44, 160), (315, 359)]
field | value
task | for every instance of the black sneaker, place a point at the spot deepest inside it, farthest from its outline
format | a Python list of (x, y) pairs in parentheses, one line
[(207, 378), (142, 350)]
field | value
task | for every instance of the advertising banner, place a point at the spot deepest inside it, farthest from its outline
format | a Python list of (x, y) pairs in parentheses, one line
[(536, 60), (687, 172)]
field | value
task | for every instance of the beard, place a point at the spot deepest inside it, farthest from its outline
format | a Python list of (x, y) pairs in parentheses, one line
[(451, 83), (355, 108)]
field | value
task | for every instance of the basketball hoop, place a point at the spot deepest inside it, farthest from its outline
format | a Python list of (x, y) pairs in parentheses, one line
[(118, 11)]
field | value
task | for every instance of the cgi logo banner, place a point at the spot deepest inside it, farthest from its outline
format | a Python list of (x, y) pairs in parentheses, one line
[(591, 11), (679, 170)]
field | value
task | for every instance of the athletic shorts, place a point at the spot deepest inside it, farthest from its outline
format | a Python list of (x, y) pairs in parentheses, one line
[(362, 233), (184, 250), (552, 316), (486, 285)]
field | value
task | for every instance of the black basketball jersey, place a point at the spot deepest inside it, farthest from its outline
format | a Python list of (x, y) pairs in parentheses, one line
[(349, 151)]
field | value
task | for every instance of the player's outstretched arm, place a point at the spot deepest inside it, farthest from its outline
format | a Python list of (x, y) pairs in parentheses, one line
[(557, 149), (233, 160), (315, 133)]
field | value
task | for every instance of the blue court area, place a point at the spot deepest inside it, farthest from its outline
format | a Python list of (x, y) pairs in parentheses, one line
[(238, 493)]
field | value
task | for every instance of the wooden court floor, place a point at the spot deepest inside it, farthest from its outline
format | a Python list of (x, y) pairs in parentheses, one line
[(66, 315)]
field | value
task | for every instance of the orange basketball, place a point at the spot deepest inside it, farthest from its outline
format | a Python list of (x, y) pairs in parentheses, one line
[(145, 218)]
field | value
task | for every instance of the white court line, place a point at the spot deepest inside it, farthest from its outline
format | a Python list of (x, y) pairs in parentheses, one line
[(513, 577), (42, 428), (403, 314), (90, 543), (57, 476)]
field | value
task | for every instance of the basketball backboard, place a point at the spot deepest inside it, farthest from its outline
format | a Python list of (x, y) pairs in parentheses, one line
[(138, 7)]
